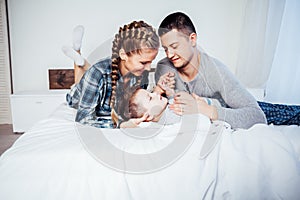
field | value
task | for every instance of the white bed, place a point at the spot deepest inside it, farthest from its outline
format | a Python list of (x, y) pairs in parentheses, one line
[(60, 159)]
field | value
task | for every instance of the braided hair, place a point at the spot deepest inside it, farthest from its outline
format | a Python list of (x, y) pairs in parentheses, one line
[(133, 38)]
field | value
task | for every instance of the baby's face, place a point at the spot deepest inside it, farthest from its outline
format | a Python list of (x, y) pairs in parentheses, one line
[(153, 103)]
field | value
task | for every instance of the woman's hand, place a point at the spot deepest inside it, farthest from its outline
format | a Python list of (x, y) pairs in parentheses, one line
[(134, 122)]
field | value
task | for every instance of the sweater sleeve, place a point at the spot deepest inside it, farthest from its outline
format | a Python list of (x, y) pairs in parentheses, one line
[(242, 109)]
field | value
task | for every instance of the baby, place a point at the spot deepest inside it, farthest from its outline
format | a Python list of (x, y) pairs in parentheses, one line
[(154, 104), (158, 107)]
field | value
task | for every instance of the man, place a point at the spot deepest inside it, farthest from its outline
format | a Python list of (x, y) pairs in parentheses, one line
[(198, 75)]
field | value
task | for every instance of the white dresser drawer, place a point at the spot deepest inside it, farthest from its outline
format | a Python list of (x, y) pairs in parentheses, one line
[(30, 107)]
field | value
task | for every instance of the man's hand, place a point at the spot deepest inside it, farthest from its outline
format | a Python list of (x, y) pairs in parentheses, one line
[(208, 110), (185, 103)]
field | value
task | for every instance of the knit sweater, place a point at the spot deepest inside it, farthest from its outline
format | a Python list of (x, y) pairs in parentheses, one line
[(214, 80)]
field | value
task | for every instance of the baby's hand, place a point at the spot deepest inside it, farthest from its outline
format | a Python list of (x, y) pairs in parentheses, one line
[(167, 90), (166, 84)]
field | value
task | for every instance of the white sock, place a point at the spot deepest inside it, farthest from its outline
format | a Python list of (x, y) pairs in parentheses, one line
[(74, 55), (77, 37)]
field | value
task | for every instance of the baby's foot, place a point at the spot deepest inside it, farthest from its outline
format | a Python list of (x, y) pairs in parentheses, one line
[(74, 55), (77, 37)]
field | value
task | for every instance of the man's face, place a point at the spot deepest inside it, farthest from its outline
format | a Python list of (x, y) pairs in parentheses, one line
[(153, 103), (179, 47)]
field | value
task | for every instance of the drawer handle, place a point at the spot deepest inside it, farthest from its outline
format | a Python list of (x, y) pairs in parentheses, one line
[(38, 102)]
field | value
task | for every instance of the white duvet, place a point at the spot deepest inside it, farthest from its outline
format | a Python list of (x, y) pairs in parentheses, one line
[(59, 159)]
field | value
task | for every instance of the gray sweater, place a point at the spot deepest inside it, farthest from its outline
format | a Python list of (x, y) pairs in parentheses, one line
[(238, 107)]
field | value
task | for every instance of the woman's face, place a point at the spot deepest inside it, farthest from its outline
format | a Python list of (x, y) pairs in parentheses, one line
[(138, 63)]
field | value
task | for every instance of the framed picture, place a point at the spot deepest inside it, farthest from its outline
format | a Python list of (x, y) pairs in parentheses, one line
[(61, 78)]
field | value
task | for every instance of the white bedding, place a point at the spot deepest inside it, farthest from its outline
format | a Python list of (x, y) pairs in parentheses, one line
[(60, 159)]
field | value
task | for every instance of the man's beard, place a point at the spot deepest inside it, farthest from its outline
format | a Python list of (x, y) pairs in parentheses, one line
[(183, 65)]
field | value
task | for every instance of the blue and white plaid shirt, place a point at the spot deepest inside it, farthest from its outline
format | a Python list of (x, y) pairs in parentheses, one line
[(91, 96)]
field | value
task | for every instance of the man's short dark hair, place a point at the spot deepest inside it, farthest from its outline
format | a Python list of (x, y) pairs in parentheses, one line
[(179, 21)]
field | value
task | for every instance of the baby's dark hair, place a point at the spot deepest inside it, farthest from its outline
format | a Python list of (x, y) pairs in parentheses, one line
[(129, 106), (179, 21), (136, 110)]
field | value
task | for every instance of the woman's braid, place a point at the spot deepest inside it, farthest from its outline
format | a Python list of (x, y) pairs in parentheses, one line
[(132, 38)]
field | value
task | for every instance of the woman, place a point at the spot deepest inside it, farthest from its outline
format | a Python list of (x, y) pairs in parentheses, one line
[(98, 88)]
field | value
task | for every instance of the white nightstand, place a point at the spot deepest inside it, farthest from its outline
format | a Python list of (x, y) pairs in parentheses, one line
[(31, 106)]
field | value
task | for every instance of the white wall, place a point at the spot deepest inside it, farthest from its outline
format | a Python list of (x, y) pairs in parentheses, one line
[(39, 28)]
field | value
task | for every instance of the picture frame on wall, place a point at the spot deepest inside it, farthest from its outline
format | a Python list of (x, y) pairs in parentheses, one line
[(61, 78)]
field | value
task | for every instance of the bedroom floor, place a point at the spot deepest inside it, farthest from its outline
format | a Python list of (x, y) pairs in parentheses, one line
[(7, 137)]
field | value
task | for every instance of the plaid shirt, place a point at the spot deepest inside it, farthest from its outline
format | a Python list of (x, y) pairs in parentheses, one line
[(91, 96)]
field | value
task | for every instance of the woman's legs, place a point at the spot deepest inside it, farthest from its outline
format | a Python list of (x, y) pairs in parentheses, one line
[(77, 36), (80, 64)]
